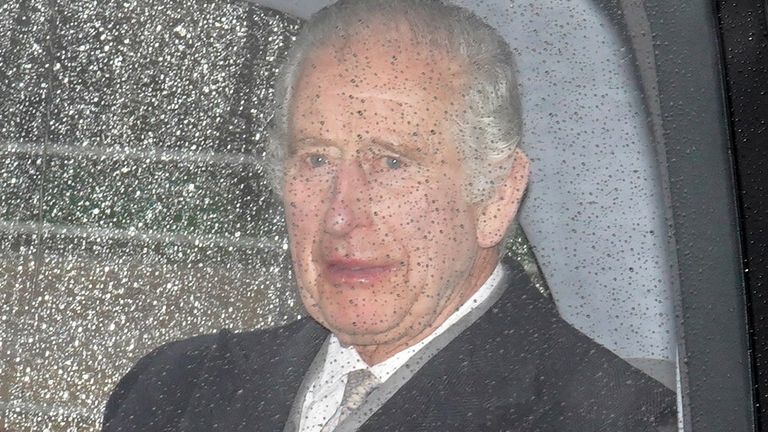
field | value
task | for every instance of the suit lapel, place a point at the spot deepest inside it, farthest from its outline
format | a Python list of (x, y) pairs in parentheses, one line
[(384, 392), (470, 379), (265, 401), (294, 417), (287, 374)]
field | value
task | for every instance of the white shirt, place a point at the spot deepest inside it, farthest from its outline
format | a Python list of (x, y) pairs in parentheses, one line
[(325, 393)]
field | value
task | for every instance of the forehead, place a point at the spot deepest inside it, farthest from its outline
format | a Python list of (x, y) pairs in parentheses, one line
[(381, 69)]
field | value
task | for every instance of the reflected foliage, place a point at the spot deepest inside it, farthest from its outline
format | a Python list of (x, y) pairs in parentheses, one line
[(133, 205)]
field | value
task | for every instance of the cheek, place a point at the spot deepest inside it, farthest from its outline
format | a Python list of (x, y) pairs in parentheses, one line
[(302, 215), (303, 204), (440, 210), (427, 220), (301, 209)]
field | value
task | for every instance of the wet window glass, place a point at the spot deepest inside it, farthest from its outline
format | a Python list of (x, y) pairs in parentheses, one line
[(467, 208)]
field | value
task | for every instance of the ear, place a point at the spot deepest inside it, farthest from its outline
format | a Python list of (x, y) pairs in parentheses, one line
[(498, 211)]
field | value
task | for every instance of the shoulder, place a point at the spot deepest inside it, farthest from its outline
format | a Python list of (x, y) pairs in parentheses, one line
[(577, 382), (595, 386), (159, 386)]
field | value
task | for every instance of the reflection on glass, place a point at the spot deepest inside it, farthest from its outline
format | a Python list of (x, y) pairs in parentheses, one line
[(134, 208), (136, 205)]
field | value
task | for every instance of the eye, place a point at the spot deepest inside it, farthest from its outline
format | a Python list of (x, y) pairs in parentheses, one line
[(316, 160), (393, 163)]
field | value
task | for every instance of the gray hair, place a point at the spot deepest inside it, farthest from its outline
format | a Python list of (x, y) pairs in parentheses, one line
[(489, 131)]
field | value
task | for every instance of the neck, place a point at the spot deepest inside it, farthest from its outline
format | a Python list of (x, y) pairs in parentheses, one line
[(482, 268)]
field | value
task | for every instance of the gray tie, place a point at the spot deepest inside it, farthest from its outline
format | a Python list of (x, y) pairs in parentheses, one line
[(360, 383)]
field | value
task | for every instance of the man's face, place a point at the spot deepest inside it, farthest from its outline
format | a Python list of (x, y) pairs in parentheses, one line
[(381, 233)]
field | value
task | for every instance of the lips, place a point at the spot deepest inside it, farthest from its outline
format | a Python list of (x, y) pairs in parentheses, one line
[(353, 271)]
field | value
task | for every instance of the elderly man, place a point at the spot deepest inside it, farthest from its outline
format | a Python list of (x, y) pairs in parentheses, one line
[(395, 153)]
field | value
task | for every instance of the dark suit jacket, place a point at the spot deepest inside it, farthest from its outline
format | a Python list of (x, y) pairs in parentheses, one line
[(519, 367)]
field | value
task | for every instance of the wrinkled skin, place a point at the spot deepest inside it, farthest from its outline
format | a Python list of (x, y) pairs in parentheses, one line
[(385, 243)]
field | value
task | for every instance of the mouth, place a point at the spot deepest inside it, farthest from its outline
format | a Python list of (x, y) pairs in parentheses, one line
[(349, 271)]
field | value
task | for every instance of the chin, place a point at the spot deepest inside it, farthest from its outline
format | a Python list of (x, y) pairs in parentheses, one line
[(361, 325), (367, 336), (358, 320)]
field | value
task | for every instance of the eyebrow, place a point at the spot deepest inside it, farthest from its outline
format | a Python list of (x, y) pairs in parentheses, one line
[(404, 149), (409, 151), (294, 145)]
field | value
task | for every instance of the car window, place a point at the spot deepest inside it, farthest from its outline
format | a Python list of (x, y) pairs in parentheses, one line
[(137, 210)]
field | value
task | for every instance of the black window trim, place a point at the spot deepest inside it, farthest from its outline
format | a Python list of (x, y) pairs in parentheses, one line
[(715, 365)]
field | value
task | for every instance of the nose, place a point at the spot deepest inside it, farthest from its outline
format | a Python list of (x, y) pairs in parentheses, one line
[(350, 201)]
